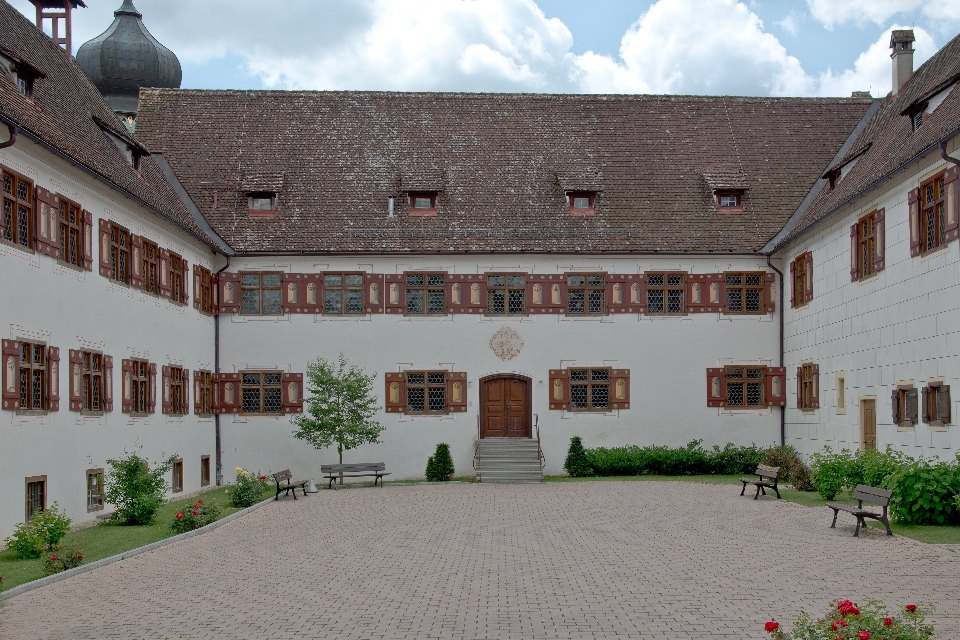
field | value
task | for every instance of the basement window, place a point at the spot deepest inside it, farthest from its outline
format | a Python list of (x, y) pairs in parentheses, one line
[(262, 204), (423, 203), (582, 202)]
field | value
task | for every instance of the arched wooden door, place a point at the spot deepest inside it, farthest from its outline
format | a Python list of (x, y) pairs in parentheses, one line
[(505, 402)]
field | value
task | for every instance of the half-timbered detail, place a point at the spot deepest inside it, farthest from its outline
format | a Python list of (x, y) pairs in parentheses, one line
[(203, 290), (262, 392), (506, 294), (665, 293), (18, 203), (260, 293), (743, 293), (935, 404), (46, 227), (586, 294), (343, 293), (203, 391), (808, 386), (425, 293)]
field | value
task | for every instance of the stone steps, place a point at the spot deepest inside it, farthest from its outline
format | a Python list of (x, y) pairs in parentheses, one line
[(509, 461)]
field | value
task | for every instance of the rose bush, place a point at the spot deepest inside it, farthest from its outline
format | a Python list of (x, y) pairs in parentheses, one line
[(847, 621), (61, 558), (248, 489), (200, 514)]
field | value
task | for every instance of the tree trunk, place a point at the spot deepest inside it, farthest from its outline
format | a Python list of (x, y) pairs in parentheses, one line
[(340, 450)]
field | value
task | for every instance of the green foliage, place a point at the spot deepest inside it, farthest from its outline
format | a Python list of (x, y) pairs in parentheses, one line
[(248, 489), (200, 514), (830, 471), (340, 407), (440, 464), (42, 533), (658, 460), (925, 492), (62, 557), (793, 469), (872, 468), (576, 463), (136, 490), (847, 621)]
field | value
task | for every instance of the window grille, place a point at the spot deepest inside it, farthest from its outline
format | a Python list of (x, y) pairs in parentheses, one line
[(262, 392), (94, 490), (745, 387), (151, 267), (744, 293), (33, 376), (423, 202), (177, 479), (665, 293), (17, 210), (932, 214), (426, 293), (730, 201), (119, 254), (506, 294), (204, 290), (260, 293), (204, 471), (140, 387), (586, 294), (205, 393), (343, 293), (427, 392), (589, 389), (36, 496), (92, 381), (581, 201), (178, 289), (71, 233)]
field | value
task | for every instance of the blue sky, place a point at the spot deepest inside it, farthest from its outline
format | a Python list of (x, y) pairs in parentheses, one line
[(747, 47)]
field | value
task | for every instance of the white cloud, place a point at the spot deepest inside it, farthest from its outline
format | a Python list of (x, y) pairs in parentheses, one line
[(943, 14), (790, 24)]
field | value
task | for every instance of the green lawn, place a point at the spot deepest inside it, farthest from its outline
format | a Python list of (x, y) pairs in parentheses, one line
[(105, 540)]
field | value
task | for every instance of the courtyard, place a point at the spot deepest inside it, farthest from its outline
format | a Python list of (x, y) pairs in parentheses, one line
[(557, 560)]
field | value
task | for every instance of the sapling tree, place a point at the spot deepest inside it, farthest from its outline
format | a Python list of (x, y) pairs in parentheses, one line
[(339, 407)]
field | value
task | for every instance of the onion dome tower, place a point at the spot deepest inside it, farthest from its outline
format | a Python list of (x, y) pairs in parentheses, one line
[(125, 58)]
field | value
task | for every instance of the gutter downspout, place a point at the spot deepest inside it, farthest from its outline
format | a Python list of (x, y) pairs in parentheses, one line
[(14, 129), (216, 369), (783, 409), (943, 151)]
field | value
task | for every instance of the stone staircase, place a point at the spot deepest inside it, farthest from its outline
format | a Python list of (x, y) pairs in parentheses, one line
[(508, 461)]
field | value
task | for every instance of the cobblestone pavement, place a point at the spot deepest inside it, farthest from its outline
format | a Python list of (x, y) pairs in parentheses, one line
[(563, 560)]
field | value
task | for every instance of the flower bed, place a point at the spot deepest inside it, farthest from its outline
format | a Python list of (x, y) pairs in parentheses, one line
[(847, 621)]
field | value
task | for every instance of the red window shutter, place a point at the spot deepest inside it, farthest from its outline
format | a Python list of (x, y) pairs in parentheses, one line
[(11, 374), (895, 405), (914, 202), (776, 387), (620, 389), (311, 296), (800, 388), (716, 387), (456, 392), (108, 383), (215, 293), (945, 403), (229, 297), (705, 293), (621, 297), (393, 301), (925, 405), (292, 293), (136, 261), (152, 383), (879, 238), (952, 223), (126, 395), (87, 240), (807, 276), (185, 391), (292, 393), (163, 266), (395, 396), (466, 293), (815, 401), (854, 248), (47, 222), (546, 294), (75, 384), (559, 389), (793, 284), (912, 405), (104, 248), (185, 283), (770, 292), (229, 392), (196, 286), (215, 393), (373, 292), (197, 405), (165, 405), (53, 379)]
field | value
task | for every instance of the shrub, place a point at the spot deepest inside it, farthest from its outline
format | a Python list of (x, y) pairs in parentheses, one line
[(925, 492), (846, 620), (62, 557), (43, 532), (136, 490), (659, 460), (199, 515), (872, 468), (248, 489), (577, 464), (440, 464), (830, 471), (801, 478), (793, 469)]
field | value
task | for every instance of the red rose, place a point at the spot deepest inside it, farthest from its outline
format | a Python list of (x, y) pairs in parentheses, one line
[(179, 516), (263, 477), (887, 622), (864, 635), (834, 626), (79, 556), (195, 512), (911, 608), (53, 558), (771, 626), (199, 501)]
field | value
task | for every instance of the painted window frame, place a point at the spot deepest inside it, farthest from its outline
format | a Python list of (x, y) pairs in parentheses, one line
[(94, 490), (120, 267), (261, 386), (27, 371), (178, 283), (743, 382), (261, 287), (204, 393), (426, 287), (744, 287), (667, 285), (176, 476), (426, 386), (203, 290), (31, 506), (71, 232), (506, 291), (866, 245), (590, 383), (92, 380), (938, 208), (590, 196), (412, 198), (150, 253), (344, 290), (588, 287), (141, 389), (13, 203)]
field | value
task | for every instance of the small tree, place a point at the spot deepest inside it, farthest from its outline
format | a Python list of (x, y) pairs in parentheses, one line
[(340, 407), (440, 464), (136, 490), (576, 463)]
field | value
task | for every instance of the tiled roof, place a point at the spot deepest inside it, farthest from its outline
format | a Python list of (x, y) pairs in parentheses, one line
[(501, 164), (64, 113), (888, 143)]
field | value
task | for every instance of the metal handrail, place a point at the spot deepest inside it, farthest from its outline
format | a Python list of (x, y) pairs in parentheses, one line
[(476, 450), (543, 460)]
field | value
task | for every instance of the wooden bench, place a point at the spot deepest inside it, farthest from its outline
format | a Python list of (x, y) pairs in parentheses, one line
[(336, 471), (880, 497), (291, 485), (763, 471)]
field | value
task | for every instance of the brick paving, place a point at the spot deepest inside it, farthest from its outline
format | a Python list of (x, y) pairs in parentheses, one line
[(563, 560)]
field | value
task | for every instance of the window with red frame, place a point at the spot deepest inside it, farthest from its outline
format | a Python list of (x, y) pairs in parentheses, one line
[(582, 202), (729, 200), (423, 203)]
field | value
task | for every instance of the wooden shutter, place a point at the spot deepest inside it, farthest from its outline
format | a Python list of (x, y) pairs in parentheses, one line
[(53, 379), (925, 405), (292, 393), (47, 222), (854, 248), (619, 289), (914, 202), (215, 293), (215, 393), (87, 239), (196, 286), (292, 293), (135, 265), (184, 392), (163, 267), (197, 404), (815, 401), (108, 383), (395, 396), (373, 291), (394, 299), (466, 293), (912, 408), (879, 238), (807, 276), (456, 392), (800, 388), (104, 248), (546, 294), (184, 282), (228, 390), (705, 293), (620, 389), (770, 290), (559, 389), (895, 406), (11, 374), (793, 284), (152, 388), (311, 295), (776, 386), (945, 403), (126, 395), (229, 296), (716, 387), (952, 222), (165, 404), (75, 385)]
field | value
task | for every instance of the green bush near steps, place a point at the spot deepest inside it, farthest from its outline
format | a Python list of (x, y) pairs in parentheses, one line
[(440, 464), (692, 459)]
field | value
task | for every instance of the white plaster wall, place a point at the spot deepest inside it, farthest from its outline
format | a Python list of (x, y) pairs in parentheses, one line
[(667, 358), (902, 324), (73, 309)]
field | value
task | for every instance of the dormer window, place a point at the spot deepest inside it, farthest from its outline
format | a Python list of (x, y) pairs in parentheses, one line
[(262, 204), (25, 85), (423, 203), (729, 200), (917, 120), (582, 202)]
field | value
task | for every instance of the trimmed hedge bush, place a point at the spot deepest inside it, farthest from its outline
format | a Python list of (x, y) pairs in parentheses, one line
[(692, 459), (793, 469)]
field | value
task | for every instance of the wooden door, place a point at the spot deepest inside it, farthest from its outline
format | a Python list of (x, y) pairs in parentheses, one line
[(505, 408), (868, 424)]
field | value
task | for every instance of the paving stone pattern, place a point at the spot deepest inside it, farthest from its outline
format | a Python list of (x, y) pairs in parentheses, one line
[(565, 560)]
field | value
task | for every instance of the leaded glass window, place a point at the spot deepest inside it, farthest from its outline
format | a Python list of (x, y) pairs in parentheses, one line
[(151, 268), (36, 496), (426, 392), (745, 387), (33, 376), (203, 290), (178, 288), (92, 381), (260, 293), (589, 389), (343, 293), (586, 294), (17, 209), (932, 214), (744, 293), (506, 293), (262, 392), (140, 387), (119, 254), (866, 244), (665, 293), (204, 393), (426, 293), (71, 233), (176, 391)]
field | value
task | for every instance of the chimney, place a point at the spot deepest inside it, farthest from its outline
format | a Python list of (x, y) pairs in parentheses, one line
[(901, 42), (57, 13)]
